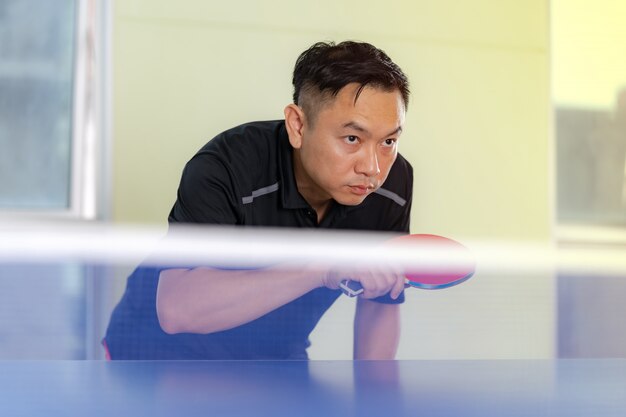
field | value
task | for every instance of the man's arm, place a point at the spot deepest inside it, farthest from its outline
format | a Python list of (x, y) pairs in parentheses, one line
[(204, 300), (376, 330)]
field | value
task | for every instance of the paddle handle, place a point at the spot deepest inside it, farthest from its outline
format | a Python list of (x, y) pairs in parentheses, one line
[(354, 288), (351, 288)]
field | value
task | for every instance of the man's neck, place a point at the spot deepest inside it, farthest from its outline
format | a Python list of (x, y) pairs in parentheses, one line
[(309, 191)]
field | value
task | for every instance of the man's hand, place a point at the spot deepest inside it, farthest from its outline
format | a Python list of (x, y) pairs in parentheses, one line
[(376, 281)]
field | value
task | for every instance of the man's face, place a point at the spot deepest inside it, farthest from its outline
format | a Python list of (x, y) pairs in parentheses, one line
[(348, 150)]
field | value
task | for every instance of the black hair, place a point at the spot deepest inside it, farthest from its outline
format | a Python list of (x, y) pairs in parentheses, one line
[(325, 68)]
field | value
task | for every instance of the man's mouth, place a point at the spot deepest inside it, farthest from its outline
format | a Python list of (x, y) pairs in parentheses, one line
[(361, 189)]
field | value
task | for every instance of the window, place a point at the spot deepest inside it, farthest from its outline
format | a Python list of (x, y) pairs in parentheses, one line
[(589, 98), (589, 94), (53, 129), (52, 108)]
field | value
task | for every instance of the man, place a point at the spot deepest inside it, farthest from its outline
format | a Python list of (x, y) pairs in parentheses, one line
[(332, 163)]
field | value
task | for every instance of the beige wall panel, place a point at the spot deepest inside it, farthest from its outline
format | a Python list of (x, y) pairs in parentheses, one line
[(492, 316), (505, 22), (476, 129), (478, 143), (476, 134)]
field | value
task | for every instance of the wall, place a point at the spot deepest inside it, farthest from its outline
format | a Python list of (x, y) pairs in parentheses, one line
[(476, 132), (588, 47)]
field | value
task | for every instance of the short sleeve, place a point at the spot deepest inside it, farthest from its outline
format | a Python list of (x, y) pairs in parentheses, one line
[(207, 193), (402, 223)]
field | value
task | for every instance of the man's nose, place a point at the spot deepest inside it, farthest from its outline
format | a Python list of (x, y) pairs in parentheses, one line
[(368, 163)]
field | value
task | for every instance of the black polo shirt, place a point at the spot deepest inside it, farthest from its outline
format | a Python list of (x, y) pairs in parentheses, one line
[(245, 176)]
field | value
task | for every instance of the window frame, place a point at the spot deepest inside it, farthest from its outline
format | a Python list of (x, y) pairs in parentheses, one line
[(90, 159)]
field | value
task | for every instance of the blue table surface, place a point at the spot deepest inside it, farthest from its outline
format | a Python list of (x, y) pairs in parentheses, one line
[(595, 387)]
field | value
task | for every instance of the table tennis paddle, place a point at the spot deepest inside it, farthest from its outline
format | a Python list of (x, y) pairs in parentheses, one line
[(461, 268)]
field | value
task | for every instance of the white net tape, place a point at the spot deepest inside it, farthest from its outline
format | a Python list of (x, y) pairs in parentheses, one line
[(250, 247)]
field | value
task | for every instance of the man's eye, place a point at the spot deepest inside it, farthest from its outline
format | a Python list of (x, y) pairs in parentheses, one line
[(352, 139), (390, 142)]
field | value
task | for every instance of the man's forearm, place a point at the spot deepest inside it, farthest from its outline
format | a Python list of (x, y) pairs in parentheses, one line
[(376, 330), (204, 300)]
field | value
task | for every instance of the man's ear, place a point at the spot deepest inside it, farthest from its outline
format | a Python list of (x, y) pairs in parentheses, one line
[(294, 122)]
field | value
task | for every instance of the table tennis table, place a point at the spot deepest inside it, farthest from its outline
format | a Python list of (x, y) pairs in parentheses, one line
[(582, 387)]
